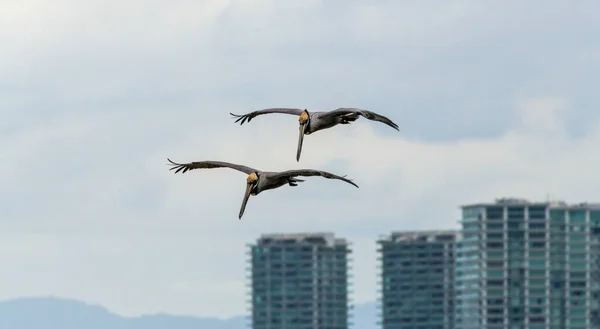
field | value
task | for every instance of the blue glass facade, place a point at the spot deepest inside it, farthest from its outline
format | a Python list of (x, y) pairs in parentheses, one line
[(417, 270), (299, 281), (527, 265), (468, 274)]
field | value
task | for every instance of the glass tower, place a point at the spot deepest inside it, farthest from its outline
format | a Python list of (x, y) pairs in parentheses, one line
[(299, 281), (417, 271), (527, 265)]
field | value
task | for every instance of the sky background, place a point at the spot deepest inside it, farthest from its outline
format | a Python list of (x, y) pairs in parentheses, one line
[(493, 99)]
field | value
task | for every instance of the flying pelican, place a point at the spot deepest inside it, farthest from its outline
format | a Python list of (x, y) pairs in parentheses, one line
[(311, 122), (258, 181)]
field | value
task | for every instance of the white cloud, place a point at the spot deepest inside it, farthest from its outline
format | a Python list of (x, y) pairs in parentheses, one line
[(195, 234), (29, 250), (543, 115), (99, 95)]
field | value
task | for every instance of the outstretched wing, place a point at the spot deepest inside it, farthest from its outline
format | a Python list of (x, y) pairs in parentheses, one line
[(249, 116), (311, 172), (367, 114), (208, 165)]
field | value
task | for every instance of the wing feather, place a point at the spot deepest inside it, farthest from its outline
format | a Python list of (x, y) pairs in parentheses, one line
[(183, 167), (311, 172), (366, 114), (249, 116)]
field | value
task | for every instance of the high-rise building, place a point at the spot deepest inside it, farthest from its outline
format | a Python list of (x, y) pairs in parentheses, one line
[(524, 264), (299, 281), (417, 288)]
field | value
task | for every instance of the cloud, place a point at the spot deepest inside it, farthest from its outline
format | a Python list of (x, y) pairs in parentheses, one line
[(105, 59), (193, 239), (491, 100)]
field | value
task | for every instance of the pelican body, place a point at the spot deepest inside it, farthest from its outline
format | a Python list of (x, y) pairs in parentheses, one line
[(311, 122), (258, 181)]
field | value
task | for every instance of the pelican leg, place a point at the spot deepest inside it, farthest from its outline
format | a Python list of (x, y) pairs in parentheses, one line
[(294, 181), (348, 118)]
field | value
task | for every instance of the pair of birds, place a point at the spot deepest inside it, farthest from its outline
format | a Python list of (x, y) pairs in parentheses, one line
[(310, 122)]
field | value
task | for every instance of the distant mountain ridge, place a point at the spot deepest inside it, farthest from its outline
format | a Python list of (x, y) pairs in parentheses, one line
[(59, 313)]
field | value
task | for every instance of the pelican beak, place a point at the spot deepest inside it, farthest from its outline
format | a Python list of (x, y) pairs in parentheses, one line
[(300, 140), (245, 201)]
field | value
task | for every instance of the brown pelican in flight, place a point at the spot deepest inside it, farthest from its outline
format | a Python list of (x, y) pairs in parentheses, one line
[(311, 122), (258, 181)]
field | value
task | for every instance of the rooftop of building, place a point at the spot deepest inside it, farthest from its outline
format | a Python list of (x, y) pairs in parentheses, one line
[(424, 236), (326, 238), (512, 201)]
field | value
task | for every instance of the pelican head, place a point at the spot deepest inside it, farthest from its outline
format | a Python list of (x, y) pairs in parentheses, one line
[(304, 116), (251, 184), (304, 121)]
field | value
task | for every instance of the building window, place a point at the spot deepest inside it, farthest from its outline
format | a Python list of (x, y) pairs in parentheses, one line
[(577, 216), (537, 212), (557, 215), (496, 213), (595, 216), (516, 212)]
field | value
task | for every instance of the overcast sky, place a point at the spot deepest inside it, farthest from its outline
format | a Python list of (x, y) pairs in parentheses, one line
[(493, 98)]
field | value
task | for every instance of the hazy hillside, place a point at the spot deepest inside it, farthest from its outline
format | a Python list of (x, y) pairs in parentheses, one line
[(54, 313)]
